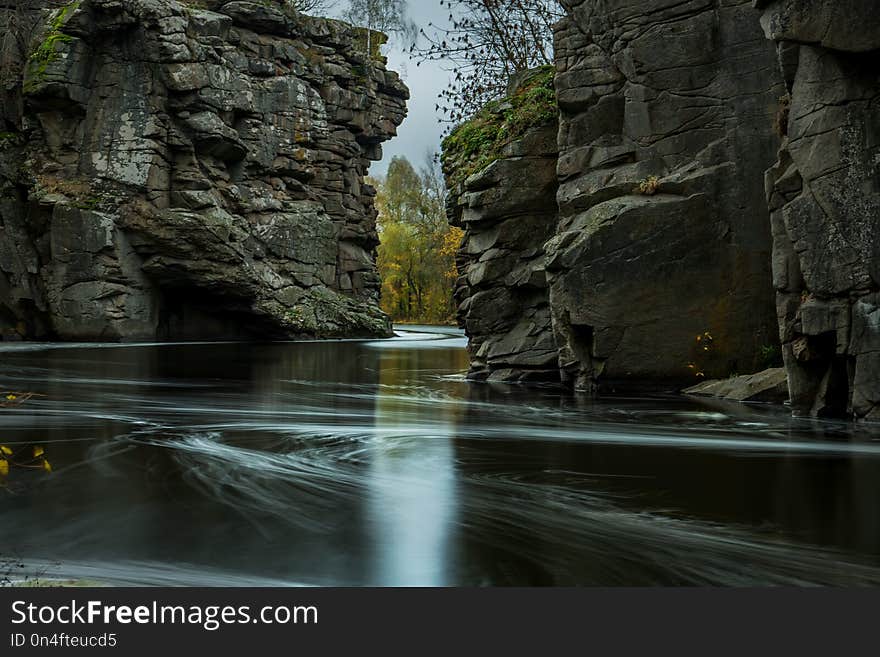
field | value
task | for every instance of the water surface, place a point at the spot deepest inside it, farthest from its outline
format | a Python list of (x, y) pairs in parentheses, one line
[(376, 463)]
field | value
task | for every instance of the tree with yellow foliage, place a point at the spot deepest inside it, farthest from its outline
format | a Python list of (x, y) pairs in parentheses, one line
[(418, 246)]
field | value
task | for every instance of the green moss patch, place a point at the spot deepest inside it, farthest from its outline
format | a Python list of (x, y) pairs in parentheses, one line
[(475, 144), (47, 51)]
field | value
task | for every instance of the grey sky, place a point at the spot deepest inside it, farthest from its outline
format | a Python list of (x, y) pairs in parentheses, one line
[(420, 134)]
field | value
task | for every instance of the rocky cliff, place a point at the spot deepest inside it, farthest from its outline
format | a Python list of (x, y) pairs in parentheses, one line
[(824, 194), (653, 265), (507, 210), (656, 267), (660, 268), (180, 171)]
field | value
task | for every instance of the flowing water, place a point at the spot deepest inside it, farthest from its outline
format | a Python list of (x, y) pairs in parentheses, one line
[(376, 463)]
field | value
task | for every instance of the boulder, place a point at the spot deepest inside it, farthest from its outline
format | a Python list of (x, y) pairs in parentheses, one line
[(767, 386)]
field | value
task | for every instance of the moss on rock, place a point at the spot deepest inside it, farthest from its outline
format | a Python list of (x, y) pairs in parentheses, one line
[(47, 51), (475, 144)]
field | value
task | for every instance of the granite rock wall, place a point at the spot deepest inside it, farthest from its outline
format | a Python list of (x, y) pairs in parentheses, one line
[(508, 211), (824, 195), (660, 268), (651, 266), (176, 172)]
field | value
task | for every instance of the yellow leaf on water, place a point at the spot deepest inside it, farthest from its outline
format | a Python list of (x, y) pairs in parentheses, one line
[(11, 397), (38, 451), (5, 450), (47, 466), (4, 467)]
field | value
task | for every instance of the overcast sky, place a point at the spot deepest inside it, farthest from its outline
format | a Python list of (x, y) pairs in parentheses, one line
[(420, 134)]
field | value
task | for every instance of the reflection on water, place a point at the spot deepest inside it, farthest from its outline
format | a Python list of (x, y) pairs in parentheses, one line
[(356, 463), (411, 487)]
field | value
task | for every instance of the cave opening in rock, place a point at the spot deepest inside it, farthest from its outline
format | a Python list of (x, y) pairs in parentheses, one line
[(188, 314)]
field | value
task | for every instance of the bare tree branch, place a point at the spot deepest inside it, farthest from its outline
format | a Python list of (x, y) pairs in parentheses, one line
[(485, 43)]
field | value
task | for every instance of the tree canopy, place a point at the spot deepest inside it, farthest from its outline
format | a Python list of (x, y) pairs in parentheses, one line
[(417, 253)]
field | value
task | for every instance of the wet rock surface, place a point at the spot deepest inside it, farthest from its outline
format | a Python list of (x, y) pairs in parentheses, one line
[(179, 173)]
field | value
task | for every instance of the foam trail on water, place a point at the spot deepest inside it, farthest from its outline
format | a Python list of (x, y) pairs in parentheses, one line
[(602, 542), (395, 470)]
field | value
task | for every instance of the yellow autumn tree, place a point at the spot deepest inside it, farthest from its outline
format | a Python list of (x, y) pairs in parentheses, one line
[(417, 252)]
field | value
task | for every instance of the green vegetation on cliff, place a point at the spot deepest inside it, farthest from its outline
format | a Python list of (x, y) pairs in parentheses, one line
[(47, 51), (475, 144)]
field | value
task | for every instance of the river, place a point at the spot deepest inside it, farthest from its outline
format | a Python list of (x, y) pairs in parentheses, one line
[(376, 463)]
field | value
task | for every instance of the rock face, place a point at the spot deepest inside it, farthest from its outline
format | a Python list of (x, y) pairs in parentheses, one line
[(661, 262), (824, 195), (189, 173), (658, 265), (501, 169), (508, 211), (652, 264)]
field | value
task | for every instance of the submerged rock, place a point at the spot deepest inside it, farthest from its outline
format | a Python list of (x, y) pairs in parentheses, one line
[(187, 173)]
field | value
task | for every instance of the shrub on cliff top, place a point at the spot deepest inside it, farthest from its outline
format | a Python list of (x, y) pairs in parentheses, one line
[(378, 18), (475, 144)]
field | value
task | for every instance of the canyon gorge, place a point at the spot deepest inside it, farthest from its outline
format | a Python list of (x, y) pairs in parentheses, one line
[(692, 192)]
